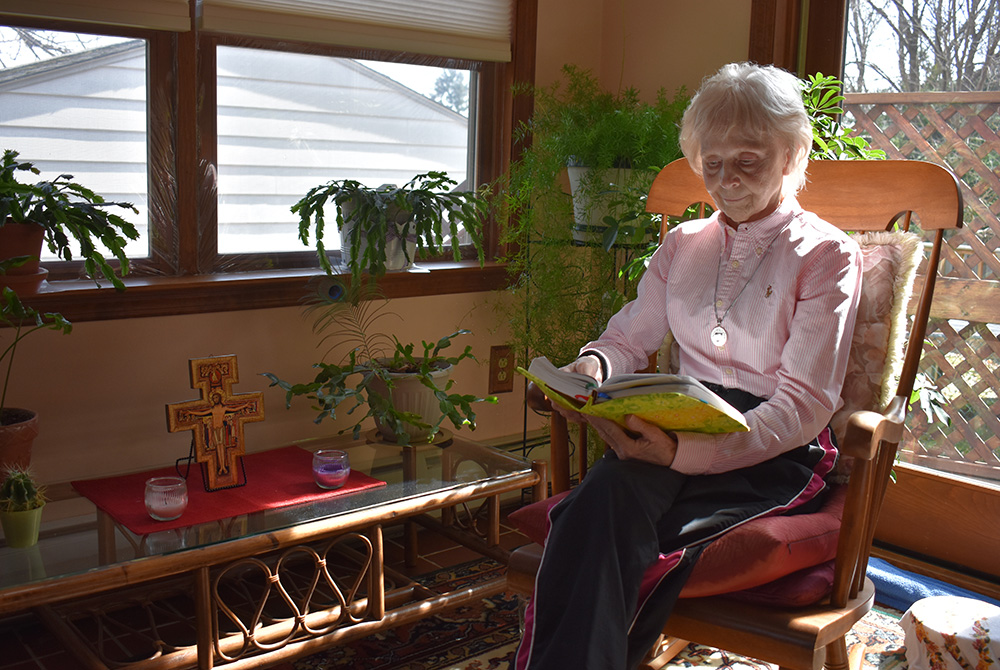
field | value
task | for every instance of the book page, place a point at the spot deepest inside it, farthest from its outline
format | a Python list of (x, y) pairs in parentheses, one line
[(572, 384), (632, 379)]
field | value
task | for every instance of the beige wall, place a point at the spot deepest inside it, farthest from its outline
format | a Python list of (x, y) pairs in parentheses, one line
[(643, 43), (101, 391)]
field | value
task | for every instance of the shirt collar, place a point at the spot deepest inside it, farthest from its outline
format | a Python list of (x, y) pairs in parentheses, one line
[(764, 230)]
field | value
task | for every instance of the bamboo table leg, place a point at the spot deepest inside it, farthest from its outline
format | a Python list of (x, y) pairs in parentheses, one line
[(106, 553), (203, 617), (376, 584), (411, 550), (447, 474), (540, 491), (493, 525)]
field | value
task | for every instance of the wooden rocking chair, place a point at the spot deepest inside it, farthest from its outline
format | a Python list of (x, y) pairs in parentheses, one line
[(787, 590)]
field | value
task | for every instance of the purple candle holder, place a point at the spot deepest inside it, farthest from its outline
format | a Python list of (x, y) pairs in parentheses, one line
[(331, 468)]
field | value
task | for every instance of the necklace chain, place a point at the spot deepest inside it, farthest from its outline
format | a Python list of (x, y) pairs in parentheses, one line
[(718, 335)]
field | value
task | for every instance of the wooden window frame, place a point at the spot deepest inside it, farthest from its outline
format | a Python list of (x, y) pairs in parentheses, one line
[(780, 36), (182, 274)]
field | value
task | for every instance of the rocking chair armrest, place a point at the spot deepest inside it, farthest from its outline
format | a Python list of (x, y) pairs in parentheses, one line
[(536, 399), (871, 439), (867, 429)]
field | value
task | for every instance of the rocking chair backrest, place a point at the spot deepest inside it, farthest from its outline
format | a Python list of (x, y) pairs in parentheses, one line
[(855, 196)]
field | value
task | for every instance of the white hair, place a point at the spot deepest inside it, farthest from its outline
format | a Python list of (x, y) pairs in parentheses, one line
[(757, 101)]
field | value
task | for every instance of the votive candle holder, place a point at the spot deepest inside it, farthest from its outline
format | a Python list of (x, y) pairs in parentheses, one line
[(330, 467), (166, 497)]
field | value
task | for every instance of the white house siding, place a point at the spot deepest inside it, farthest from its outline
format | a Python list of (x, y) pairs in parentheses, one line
[(287, 122), (83, 115)]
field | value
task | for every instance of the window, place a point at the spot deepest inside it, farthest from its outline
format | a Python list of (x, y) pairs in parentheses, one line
[(922, 513), (289, 121), (217, 142), (75, 103), (918, 101)]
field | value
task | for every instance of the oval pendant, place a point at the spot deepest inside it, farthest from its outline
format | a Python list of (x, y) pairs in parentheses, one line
[(719, 336)]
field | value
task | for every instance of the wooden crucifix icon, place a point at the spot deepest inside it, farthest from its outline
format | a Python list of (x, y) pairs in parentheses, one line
[(217, 420)]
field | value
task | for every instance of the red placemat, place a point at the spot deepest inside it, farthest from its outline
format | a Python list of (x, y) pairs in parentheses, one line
[(276, 478)]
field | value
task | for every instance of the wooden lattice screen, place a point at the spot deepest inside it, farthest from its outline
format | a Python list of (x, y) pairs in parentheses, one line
[(962, 353)]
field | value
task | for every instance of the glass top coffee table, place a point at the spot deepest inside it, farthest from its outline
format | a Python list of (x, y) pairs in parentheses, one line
[(277, 583)]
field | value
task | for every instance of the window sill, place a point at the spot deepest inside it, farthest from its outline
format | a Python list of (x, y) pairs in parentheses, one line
[(170, 296)]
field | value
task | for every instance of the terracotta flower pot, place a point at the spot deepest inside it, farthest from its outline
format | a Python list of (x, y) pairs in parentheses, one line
[(18, 429), (20, 529), (23, 239)]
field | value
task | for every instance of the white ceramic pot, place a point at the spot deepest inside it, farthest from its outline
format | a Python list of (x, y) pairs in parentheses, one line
[(409, 395), (396, 248), (589, 225)]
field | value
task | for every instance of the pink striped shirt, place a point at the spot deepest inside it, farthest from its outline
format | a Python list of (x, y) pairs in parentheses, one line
[(788, 287)]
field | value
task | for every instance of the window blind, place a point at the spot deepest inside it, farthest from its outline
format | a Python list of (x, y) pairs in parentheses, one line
[(472, 29), (157, 14)]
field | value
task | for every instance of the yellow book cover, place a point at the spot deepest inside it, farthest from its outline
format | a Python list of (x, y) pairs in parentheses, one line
[(672, 402)]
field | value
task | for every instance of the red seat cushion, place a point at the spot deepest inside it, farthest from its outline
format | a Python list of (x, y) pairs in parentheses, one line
[(801, 588), (754, 554), (533, 519)]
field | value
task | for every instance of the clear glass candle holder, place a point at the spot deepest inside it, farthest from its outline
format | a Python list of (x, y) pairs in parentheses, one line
[(166, 497), (331, 468)]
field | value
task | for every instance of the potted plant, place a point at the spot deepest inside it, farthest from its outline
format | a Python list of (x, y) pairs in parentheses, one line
[(383, 228), (21, 503), (407, 389), (832, 140), (611, 145), (18, 427), (59, 213), (565, 257)]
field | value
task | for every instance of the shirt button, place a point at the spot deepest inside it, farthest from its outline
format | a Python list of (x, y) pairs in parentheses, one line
[(759, 251), (718, 303), (728, 372), (735, 264)]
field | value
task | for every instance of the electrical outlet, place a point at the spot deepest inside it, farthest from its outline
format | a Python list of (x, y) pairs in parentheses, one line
[(501, 370)]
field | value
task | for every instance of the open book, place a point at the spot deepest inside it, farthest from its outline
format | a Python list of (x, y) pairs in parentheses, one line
[(672, 402)]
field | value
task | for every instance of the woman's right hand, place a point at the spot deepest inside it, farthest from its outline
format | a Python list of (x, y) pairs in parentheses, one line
[(586, 365)]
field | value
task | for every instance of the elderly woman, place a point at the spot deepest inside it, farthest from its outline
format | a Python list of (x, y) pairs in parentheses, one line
[(761, 298)]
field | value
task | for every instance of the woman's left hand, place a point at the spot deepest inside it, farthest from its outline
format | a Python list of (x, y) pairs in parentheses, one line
[(638, 441)]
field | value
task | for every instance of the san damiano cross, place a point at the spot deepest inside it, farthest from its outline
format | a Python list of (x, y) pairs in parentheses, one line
[(217, 419)]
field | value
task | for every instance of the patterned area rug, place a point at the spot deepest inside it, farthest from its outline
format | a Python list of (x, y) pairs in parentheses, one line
[(879, 631), (485, 637)]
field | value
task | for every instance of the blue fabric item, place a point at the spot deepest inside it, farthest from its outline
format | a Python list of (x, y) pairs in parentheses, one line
[(900, 589)]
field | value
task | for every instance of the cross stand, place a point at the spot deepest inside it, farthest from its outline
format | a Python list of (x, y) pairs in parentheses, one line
[(217, 420), (186, 461)]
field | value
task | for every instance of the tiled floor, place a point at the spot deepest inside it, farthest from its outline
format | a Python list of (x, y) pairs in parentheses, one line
[(25, 645)]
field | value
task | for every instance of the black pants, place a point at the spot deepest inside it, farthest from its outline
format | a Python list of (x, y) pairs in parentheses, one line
[(587, 610)]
